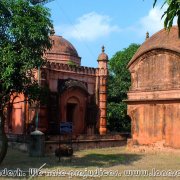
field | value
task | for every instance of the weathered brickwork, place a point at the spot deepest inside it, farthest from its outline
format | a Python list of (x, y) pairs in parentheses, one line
[(77, 94), (154, 95)]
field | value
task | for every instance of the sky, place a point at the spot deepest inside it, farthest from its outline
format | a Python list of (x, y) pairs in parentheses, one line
[(90, 24)]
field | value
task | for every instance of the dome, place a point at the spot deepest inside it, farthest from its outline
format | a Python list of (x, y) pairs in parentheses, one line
[(168, 40), (103, 56), (62, 51)]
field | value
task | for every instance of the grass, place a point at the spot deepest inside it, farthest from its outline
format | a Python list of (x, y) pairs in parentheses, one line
[(108, 159)]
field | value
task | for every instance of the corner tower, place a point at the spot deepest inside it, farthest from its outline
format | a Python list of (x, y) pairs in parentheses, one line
[(103, 74)]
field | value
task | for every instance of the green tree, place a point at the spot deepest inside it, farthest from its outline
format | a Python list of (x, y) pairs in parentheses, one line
[(173, 10), (118, 85), (71, 63), (24, 31), (34, 2)]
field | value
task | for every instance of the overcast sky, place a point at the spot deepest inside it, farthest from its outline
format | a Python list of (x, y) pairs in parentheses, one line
[(89, 24)]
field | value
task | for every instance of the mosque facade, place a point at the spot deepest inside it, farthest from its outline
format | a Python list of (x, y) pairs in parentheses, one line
[(77, 94)]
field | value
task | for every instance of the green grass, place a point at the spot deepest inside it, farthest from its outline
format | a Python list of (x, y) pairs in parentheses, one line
[(108, 159)]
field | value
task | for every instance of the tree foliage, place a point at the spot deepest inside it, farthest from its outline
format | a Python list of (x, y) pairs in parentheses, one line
[(173, 10), (118, 85), (34, 2), (24, 37)]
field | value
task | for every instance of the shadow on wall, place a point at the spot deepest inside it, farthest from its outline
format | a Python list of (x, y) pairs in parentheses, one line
[(16, 118)]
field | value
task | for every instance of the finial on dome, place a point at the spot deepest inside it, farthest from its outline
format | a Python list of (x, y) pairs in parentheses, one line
[(103, 48), (147, 35), (52, 31), (103, 56)]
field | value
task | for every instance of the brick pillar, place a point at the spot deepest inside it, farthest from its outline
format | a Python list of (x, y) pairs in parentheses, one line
[(103, 74)]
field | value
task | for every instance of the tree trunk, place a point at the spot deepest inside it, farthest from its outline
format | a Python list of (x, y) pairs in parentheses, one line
[(3, 138)]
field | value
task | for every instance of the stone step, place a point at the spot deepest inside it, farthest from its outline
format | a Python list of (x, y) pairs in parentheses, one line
[(86, 142), (119, 136)]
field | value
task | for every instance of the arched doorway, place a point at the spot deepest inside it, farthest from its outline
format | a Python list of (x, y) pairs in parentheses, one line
[(73, 104), (72, 107)]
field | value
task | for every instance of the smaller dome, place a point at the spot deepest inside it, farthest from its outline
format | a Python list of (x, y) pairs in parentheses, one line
[(103, 56)]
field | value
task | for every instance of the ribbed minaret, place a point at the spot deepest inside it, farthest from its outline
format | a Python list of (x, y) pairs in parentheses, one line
[(103, 74)]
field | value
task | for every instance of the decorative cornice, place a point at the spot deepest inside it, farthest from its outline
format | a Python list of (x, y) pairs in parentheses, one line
[(70, 68), (149, 53), (146, 101)]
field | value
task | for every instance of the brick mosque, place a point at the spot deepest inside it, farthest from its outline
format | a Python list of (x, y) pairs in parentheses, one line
[(154, 95), (77, 94)]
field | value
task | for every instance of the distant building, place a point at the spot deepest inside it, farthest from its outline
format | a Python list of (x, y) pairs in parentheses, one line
[(154, 96), (77, 95)]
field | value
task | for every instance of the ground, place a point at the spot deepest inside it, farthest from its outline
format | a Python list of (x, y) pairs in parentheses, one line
[(115, 159)]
